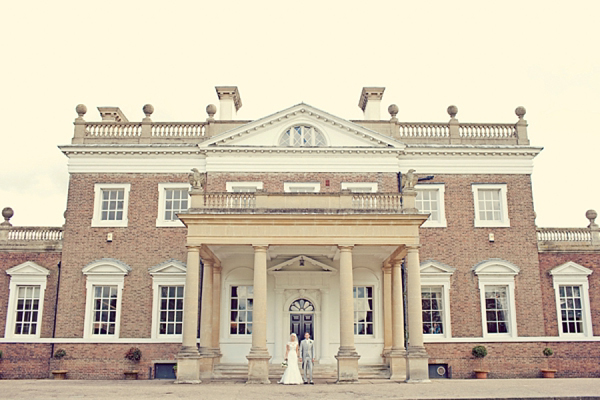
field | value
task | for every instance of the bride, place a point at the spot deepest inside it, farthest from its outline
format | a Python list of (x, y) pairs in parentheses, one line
[(292, 375)]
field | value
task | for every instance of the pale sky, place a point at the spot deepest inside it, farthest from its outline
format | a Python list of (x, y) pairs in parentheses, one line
[(487, 58)]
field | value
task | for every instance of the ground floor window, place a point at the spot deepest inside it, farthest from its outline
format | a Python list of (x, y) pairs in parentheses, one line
[(105, 310), (363, 310), (241, 306), (171, 310), (571, 309), (496, 309), (28, 303), (433, 310)]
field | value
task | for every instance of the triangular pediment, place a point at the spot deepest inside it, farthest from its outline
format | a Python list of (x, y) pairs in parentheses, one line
[(432, 267), (171, 267), (267, 131), (302, 263), (28, 268), (570, 268)]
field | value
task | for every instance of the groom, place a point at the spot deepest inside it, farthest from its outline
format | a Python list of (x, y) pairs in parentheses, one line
[(307, 352)]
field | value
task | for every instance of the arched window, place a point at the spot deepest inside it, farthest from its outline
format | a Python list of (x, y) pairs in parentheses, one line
[(302, 136), (302, 305)]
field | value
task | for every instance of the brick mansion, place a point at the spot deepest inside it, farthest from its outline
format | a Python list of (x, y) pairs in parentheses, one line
[(398, 246)]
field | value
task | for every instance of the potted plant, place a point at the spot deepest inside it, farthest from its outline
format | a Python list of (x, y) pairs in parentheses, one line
[(480, 352), (547, 372), (134, 355), (175, 370), (60, 373)]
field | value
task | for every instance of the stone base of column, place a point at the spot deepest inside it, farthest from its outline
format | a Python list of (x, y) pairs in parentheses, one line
[(347, 366), (188, 366), (216, 355), (398, 364), (206, 364), (417, 365), (258, 366), (386, 356)]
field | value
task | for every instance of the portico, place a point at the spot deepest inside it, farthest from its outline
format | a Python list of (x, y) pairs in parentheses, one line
[(292, 250)]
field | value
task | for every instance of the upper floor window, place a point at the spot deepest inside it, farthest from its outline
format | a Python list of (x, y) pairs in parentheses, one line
[(173, 199), (430, 199), (111, 204), (301, 187), (571, 290), (491, 207), (360, 187), (26, 300), (243, 187), (302, 136)]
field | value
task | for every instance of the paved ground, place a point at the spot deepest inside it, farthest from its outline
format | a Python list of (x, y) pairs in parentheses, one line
[(437, 389)]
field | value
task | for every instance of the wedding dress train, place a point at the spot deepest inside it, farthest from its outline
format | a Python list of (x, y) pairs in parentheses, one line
[(292, 375)]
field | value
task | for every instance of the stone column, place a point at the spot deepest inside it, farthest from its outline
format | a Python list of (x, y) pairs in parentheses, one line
[(347, 357), (387, 312), (280, 331), (398, 353), (258, 359), (188, 358), (216, 313), (206, 319), (324, 355), (417, 368)]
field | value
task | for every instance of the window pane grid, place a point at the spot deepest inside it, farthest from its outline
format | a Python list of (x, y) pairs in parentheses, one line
[(489, 205), (302, 136), (433, 310), (241, 309), (496, 309), (176, 201), (112, 204), (105, 310), (171, 310), (363, 310), (428, 202), (571, 309), (28, 302)]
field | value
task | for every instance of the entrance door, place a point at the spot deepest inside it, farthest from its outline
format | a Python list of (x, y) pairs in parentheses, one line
[(302, 318)]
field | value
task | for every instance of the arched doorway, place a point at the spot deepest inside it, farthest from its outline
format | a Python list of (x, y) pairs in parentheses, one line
[(302, 318)]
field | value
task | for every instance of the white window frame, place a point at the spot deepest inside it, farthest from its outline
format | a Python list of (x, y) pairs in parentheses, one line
[(441, 192), (354, 186), (243, 336), (288, 187), (26, 274), (436, 274), (573, 274), (496, 272), (505, 220), (170, 273), (97, 217), (162, 198), (251, 186), (373, 310), (105, 272)]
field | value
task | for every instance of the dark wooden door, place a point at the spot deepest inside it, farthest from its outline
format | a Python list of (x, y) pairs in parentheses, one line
[(301, 323)]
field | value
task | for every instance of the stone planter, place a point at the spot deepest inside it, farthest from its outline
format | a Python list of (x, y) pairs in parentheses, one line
[(481, 374), (60, 374), (131, 375), (548, 373)]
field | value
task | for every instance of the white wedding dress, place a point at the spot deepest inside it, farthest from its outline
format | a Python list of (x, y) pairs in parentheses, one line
[(292, 375)]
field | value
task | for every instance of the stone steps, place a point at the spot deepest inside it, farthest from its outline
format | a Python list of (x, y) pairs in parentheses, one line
[(239, 372)]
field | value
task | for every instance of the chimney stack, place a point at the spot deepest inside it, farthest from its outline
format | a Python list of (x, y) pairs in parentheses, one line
[(113, 114), (370, 102), (229, 97)]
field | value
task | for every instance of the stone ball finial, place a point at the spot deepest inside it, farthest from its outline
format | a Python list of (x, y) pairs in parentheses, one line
[(7, 213), (591, 215), (81, 109), (520, 111), (148, 110), (393, 110), (211, 110), (452, 111)]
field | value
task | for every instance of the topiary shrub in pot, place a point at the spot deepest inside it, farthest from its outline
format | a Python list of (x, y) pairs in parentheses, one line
[(60, 373), (548, 372), (479, 352), (134, 355)]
